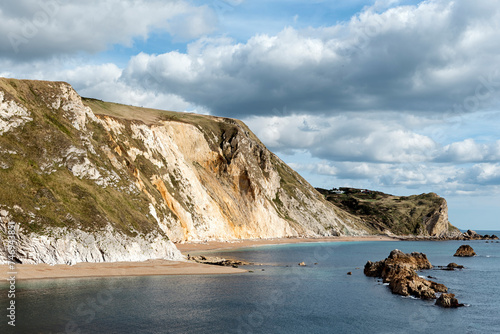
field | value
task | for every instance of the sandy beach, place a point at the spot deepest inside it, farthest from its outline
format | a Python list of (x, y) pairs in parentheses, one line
[(109, 269), (163, 267)]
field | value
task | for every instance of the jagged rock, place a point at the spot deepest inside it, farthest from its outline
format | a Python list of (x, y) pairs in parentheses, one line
[(397, 259), (472, 234), (399, 270), (465, 251), (448, 300)]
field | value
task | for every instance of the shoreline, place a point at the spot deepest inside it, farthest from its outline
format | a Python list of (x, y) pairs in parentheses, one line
[(156, 267), (210, 246), (161, 267)]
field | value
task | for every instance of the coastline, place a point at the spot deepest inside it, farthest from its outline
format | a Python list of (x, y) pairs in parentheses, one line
[(117, 269), (164, 267), (196, 247)]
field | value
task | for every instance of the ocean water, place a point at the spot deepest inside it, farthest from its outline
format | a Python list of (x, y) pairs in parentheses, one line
[(277, 297)]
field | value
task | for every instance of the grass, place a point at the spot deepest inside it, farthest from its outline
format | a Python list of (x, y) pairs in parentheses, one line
[(63, 200), (60, 199), (402, 215)]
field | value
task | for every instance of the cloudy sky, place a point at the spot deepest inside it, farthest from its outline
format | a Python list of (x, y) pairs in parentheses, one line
[(398, 96)]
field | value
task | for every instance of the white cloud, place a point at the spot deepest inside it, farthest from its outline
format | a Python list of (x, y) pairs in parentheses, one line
[(371, 99), (36, 29), (346, 137), (483, 174), (469, 150), (378, 61)]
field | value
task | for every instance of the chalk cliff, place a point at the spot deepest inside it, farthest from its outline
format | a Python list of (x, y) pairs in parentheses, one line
[(87, 180)]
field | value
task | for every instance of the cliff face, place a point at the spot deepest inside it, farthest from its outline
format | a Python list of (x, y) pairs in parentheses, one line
[(86, 180), (418, 215)]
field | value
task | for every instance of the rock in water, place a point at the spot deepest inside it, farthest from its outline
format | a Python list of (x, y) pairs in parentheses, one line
[(399, 270), (448, 300), (465, 251), (302, 264), (453, 265)]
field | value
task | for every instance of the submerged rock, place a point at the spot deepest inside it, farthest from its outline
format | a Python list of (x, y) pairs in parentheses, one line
[(465, 251), (453, 265), (399, 270), (217, 261)]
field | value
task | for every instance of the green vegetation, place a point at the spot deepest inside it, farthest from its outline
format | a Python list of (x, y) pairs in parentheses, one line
[(214, 129), (402, 215), (39, 184)]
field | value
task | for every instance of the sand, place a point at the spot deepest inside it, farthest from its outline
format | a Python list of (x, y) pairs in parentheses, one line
[(161, 267), (109, 269)]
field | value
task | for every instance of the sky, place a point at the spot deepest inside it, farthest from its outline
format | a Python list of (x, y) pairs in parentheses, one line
[(397, 96)]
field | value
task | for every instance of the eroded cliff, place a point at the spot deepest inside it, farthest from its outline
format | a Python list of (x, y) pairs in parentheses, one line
[(96, 181), (424, 215)]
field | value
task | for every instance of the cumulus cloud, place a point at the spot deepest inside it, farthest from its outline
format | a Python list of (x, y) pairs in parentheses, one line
[(35, 29), (379, 60), (388, 98), (469, 150), (346, 137), (381, 151), (483, 174)]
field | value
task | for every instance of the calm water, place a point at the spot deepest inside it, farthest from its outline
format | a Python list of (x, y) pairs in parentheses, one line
[(313, 299)]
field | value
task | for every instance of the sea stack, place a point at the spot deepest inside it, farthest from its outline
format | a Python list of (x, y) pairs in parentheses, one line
[(465, 251)]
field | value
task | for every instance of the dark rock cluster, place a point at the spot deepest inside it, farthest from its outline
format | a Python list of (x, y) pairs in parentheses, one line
[(399, 270), (472, 235)]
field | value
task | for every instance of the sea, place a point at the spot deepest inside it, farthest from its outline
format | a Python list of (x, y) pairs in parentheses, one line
[(275, 296)]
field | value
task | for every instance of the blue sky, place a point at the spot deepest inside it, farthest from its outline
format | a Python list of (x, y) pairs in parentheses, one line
[(397, 96)]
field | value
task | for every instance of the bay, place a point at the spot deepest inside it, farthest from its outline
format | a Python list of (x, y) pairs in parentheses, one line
[(277, 297)]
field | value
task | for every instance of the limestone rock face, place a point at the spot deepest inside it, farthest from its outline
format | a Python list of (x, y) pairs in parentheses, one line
[(83, 179), (65, 246), (465, 251), (437, 224)]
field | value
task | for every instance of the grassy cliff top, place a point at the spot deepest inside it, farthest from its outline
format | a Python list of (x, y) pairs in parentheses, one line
[(400, 214), (206, 123)]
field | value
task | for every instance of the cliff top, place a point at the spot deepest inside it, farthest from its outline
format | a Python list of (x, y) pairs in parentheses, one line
[(424, 214)]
